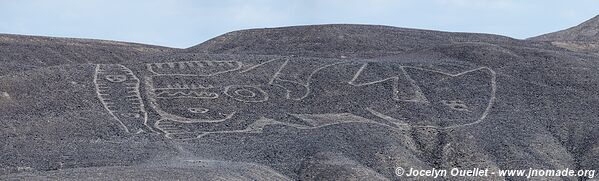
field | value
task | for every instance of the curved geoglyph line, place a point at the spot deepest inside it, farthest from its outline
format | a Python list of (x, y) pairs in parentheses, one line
[(275, 79), (171, 130), (194, 68), (418, 97), (117, 89), (492, 99), (260, 124)]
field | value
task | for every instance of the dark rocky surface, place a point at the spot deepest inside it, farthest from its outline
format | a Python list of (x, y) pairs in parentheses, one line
[(344, 41), (581, 38), (22, 53), (586, 31), (327, 102)]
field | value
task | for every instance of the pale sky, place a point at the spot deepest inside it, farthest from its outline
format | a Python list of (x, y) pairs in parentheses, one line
[(184, 23)]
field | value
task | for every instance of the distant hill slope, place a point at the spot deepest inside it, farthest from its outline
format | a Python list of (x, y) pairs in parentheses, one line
[(20, 53), (324, 102), (586, 31), (340, 41), (581, 38)]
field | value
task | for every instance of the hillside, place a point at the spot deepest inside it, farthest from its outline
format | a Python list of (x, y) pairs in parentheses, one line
[(581, 38), (21, 53), (323, 102)]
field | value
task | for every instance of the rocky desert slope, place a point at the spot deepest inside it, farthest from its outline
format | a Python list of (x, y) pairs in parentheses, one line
[(21, 53), (342, 102), (581, 38)]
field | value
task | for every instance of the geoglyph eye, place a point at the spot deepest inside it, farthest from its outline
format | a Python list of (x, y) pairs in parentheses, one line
[(456, 104), (116, 78), (246, 93), (198, 110)]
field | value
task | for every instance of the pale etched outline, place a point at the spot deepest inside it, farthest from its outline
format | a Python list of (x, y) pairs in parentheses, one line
[(251, 129), (453, 103), (153, 96), (265, 98), (419, 95), (238, 65), (306, 85), (134, 98), (191, 94), (483, 115), (255, 127)]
